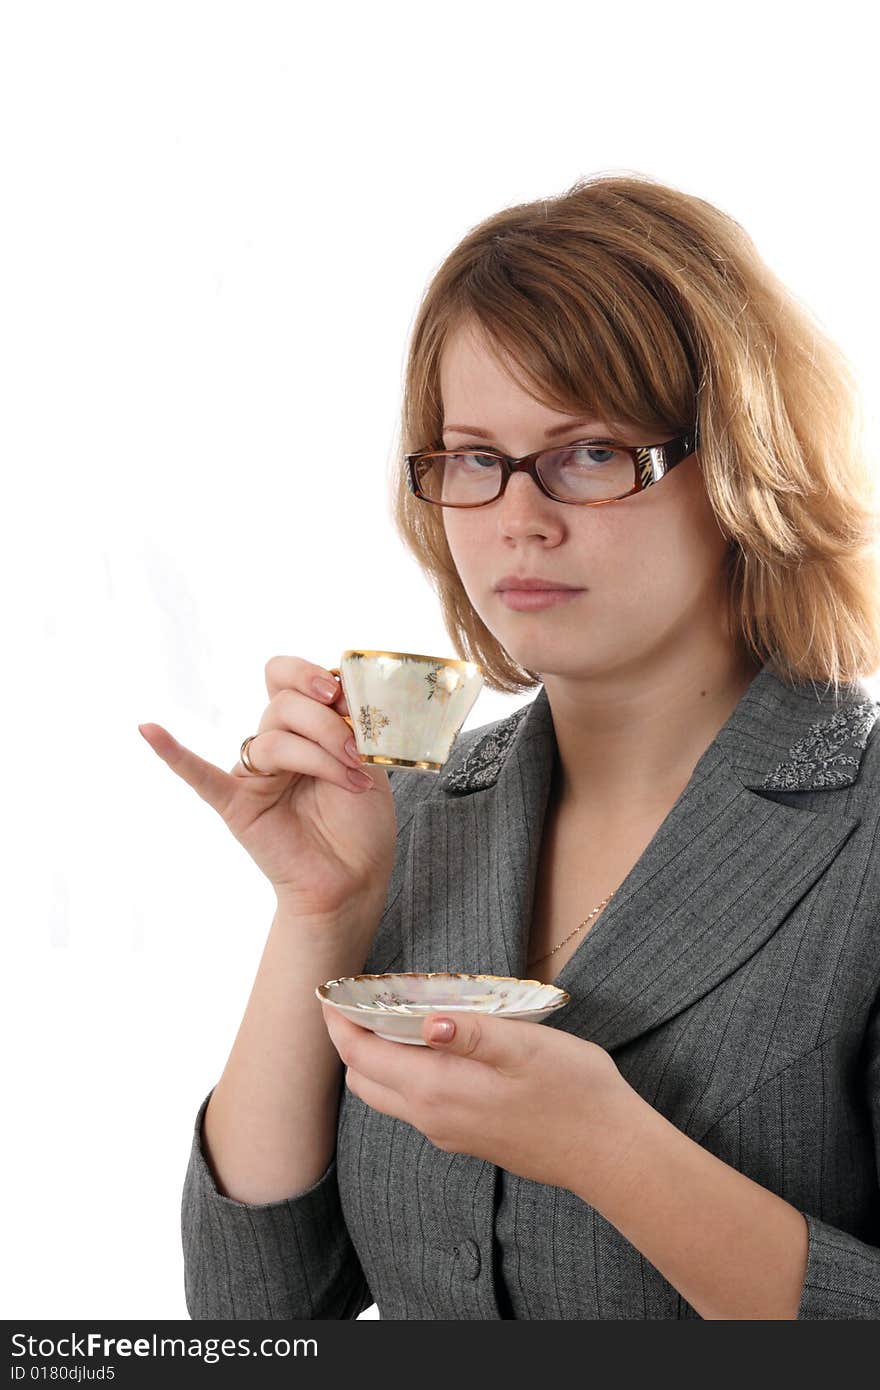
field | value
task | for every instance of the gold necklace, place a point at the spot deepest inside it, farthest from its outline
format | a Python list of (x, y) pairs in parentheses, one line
[(530, 963)]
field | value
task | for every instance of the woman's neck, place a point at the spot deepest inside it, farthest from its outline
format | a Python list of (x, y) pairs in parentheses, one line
[(623, 740)]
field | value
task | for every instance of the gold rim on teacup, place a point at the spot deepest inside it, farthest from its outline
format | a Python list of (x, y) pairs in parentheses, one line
[(470, 666)]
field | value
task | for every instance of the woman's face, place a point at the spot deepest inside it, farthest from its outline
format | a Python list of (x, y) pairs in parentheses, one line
[(649, 567)]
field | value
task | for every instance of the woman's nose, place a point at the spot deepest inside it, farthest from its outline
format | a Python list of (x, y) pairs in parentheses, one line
[(524, 505)]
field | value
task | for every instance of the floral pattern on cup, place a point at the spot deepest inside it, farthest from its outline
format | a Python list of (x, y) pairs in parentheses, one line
[(372, 722), (435, 688)]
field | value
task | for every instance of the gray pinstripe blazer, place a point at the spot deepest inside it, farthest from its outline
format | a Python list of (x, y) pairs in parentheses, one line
[(734, 977)]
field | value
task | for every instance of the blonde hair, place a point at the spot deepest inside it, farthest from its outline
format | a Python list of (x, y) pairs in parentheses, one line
[(627, 298)]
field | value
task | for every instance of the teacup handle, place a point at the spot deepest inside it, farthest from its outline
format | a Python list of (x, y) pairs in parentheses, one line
[(334, 671)]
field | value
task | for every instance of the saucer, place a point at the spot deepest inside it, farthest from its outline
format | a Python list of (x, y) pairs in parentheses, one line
[(394, 1006)]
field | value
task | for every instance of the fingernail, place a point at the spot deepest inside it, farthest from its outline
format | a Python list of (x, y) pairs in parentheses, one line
[(325, 688), (442, 1031)]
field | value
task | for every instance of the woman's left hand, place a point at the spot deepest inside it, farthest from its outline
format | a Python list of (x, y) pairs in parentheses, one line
[(537, 1101)]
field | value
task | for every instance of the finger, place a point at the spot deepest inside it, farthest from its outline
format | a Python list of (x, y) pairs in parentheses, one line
[(342, 1030), (279, 750), (388, 1064), (212, 783), (294, 673), (377, 1096), (299, 714), (503, 1043)]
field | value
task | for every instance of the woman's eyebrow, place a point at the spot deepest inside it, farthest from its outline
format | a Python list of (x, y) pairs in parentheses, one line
[(548, 434)]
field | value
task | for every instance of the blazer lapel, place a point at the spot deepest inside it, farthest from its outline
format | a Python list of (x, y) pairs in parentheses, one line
[(733, 856), (724, 869), (473, 859)]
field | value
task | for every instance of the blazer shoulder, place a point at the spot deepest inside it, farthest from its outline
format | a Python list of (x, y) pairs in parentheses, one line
[(867, 752), (476, 757)]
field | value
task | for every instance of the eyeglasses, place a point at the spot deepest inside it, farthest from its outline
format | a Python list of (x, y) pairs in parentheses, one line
[(586, 474)]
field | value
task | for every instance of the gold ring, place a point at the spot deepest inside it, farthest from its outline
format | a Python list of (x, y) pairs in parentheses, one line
[(246, 762)]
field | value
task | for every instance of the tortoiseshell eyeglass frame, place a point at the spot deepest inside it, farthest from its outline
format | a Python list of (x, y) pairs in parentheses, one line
[(651, 462)]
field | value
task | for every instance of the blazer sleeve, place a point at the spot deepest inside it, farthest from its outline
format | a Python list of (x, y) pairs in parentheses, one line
[(842, 1279), (274, 1260)]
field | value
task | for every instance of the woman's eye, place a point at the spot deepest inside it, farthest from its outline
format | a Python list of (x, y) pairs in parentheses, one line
[(474, 460)]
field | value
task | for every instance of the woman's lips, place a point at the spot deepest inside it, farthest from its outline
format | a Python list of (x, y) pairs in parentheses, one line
[(524, 600)]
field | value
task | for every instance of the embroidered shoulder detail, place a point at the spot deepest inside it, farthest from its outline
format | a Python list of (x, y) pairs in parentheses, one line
[(821, 758), (483, 762)]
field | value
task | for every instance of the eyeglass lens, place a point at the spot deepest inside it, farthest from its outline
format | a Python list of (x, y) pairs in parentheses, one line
[(578, 473)]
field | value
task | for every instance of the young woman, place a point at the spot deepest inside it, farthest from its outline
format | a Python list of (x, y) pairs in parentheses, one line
[(632, 467)]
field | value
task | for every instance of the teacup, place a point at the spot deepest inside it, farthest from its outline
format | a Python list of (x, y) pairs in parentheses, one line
[(406, 709)]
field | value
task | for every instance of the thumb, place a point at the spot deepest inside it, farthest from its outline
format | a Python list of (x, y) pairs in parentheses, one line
[(470, 1034), (211, 783)]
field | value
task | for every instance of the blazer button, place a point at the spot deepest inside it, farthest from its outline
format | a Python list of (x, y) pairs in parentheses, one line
[(469, 1256)]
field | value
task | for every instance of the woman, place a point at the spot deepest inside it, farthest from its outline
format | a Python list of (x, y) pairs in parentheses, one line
[(679, 829)]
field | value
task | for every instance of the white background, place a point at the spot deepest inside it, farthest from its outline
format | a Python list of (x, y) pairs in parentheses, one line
[(217, 222)]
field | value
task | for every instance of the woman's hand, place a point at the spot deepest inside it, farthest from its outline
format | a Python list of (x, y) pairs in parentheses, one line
[(536, 1101), (321, 843)]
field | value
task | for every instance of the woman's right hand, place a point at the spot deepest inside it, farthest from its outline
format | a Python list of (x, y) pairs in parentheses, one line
[(320, 842)]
